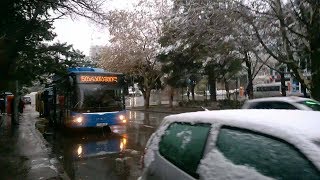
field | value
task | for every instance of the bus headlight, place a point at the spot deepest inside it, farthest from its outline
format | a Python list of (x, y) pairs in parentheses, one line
[(122, 118), (79, 150), (79, 119)]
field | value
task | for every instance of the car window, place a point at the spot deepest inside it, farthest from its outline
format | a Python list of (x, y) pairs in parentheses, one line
[(261, 105), (272, 105), (314, 105), (270, 156), (282, 105), (184, 144)]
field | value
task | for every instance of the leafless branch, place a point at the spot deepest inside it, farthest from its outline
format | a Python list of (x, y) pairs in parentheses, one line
[(262, 64)]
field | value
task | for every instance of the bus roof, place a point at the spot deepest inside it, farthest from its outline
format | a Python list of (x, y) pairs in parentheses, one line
[(85, 69), (89, 70)]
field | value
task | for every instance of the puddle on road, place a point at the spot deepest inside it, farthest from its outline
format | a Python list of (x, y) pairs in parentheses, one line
[(87, 155), (91, 154)]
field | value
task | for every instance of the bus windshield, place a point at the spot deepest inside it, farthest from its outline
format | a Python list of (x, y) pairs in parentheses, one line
[(98, 98)]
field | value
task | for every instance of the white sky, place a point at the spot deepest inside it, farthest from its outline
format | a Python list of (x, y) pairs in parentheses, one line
[(83, 34)]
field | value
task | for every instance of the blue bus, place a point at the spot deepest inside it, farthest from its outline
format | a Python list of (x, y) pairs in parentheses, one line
[(86, 97)]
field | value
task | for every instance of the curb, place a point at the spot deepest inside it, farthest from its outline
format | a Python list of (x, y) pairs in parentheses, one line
[(62, 174)]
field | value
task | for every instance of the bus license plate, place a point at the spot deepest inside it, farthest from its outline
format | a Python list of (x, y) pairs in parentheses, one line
[(102, 124)]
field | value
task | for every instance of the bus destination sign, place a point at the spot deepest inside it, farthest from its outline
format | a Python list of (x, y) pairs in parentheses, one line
[(98, 79)]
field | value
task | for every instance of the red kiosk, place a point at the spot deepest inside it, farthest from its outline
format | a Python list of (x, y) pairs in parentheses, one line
[(10, 99)]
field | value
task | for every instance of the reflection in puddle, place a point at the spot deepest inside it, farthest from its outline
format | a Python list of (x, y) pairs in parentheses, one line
[(133, 102), (132, 115), (99, 147), (94, 155), (123, 144), (98, 156)]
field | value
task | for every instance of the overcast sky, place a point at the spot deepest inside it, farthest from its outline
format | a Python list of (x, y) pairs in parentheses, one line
[(83, 34)]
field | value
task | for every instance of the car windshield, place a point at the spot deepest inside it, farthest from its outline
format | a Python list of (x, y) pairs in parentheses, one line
[(98, 98), (314, 105)]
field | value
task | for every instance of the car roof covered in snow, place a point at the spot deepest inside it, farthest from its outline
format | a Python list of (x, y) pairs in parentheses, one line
[(297, 122), (282, 99), (300, 128)]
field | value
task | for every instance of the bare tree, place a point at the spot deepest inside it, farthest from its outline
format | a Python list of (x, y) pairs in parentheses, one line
[(134, 43)]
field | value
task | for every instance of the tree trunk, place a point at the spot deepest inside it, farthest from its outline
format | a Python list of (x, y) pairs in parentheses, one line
[(315, 74), (283, 82), (147, 98), (315, 55), (212, 84), (192, 90), (304, 91), (249, 89), (15, 110), (226, 85), (171, 94), (237, 90)]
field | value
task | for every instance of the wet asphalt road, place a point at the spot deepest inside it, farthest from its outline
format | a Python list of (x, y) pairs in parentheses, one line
[(92, 154)]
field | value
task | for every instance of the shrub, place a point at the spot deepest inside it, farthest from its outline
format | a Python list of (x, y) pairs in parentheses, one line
[(230, 104)]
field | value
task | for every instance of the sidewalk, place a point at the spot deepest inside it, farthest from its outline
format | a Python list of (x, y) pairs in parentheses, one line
[(24, 154)]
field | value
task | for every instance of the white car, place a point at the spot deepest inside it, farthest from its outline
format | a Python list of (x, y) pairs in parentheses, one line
[(235, 144), (291, 102)]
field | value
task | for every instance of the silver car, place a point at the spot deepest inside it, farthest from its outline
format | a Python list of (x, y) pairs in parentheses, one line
[(235, 144), (291, 102)]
